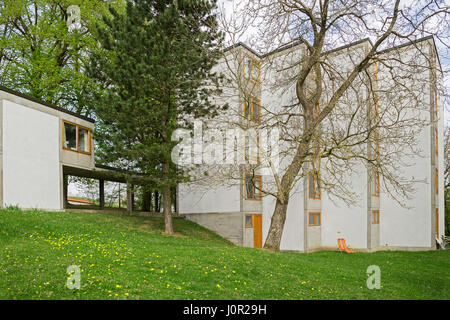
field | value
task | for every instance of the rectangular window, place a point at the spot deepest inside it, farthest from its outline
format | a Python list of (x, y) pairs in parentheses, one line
[(437, 181), (76, 138), (314, 185), (436, 144), (251, 147), (314, 219), (249, 221), (70, 136), (253, 184), (247, 67), (375, 216), (252, 109), (251, 69), (375, 183)]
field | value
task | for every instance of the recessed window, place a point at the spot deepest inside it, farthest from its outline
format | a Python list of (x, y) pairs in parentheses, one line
[(314, 185), (436, 140), (314, 219), (252, 109), (251, 69), (375, 216), (251, 148), (253, 184), (76, 138), (375, 183), (248, 221), (437, 181)]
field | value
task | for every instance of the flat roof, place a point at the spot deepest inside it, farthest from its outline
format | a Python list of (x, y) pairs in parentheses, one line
[(295, 43), (52, 106)]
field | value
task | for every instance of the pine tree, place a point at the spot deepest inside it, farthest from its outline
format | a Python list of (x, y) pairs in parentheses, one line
[(158, 71)]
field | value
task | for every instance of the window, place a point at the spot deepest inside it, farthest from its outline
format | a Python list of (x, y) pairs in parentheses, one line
[(252, 149), (76, 138), (376, 144), (314, 219), (253, 185), (435, 87), (437, 181), (251, 69), (375, 216), (436, 140), (83, 140), (375, 183), (252, 109), (70, 136), (314, 185), (249, 221)]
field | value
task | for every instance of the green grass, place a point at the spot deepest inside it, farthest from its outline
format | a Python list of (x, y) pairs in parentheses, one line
[(123, 257)]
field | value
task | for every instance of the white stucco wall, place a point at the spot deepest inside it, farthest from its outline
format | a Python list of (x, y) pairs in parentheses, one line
[(341, 220), (31, 171), (198, 199)]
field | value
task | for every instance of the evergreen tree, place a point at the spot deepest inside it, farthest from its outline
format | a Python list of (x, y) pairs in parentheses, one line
[(158, 68)]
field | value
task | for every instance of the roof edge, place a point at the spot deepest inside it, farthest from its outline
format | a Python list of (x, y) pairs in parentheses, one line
[(47, 104)]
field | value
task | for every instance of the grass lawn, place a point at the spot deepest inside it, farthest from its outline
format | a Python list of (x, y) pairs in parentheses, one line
[(123, 257)]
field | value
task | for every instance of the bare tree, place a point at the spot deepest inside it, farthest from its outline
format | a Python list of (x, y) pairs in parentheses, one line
[(364, 104)]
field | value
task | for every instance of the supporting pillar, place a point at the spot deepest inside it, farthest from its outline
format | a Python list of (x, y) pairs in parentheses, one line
[(156, 201), (147, 201), (65, 182), (101, 184)]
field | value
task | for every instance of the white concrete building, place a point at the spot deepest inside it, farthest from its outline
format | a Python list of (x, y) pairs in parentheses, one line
[(373, 220), (40, 145)]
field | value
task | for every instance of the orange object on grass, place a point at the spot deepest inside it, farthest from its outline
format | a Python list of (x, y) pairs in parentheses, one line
[(343, 246)]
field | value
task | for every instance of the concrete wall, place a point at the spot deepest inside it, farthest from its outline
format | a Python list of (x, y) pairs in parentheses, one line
[(32, 153), (31, 171), (343, 220), (227, 224)]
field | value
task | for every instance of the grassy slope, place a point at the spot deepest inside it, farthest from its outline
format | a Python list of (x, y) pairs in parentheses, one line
[(128, 258)]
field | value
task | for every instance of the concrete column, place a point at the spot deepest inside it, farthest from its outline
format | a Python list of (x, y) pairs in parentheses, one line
[(147, 200), (101, 190), (65, 182)]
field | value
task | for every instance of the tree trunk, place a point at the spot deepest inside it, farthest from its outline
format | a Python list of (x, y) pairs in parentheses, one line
[(273, 239), (167, 203)]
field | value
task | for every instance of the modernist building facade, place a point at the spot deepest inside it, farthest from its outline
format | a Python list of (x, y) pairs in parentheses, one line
[(374, 220), (41, 145)]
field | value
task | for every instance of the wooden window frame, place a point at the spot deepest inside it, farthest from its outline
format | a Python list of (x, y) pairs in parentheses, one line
[(251, 221), (317, 195), (252, 63), (251, 99), (314, 214), (435, 86), (77, 137), (257, 197), (375, 216), (437, 181), (375, 183), (436, 141)]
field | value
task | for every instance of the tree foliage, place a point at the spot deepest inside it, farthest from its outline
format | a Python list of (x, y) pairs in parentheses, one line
[(41, 57), (158, 73)]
